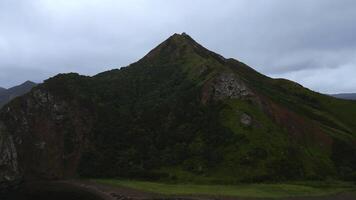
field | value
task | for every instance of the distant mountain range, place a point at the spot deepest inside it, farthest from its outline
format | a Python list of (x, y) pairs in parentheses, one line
[(350, 96), (7, 95)]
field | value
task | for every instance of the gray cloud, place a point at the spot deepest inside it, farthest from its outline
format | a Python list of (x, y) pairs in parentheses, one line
[(312, 42)]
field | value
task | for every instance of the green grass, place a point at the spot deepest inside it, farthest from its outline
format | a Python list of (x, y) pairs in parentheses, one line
[(248, 190)]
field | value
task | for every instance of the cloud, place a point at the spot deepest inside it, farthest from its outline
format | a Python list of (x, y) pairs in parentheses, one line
[(295, 39)]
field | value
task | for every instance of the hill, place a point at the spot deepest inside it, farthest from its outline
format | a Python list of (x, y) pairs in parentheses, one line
[(7, 95), (350, 96), (181, 113)]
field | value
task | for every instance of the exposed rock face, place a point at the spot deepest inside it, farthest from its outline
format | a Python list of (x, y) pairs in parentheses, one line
[(9, 171), (246, 119), (42, 137), (225, 85)]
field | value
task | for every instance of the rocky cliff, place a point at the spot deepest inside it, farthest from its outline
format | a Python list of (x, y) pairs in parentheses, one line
[(41, 137), (10, 175)]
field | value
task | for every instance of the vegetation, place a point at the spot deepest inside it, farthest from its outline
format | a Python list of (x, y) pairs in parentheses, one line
[(251, 190), (150, 123)]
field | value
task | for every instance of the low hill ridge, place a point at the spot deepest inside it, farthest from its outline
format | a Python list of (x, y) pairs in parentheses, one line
[(350, 96)]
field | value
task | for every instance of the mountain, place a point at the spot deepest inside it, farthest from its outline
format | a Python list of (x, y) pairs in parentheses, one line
[(7, 95), (181, 113), (350, 96)]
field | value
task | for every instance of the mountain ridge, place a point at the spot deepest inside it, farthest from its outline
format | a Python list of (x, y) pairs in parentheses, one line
[(7, 95), (181, 113)]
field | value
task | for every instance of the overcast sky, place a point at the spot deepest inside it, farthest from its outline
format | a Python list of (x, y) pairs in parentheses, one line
[(312, 42)]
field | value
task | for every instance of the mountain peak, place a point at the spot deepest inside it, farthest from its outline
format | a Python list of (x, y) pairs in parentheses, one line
[(174, 42), (181, 37), (178, 47), (11, 93), (180, 107), (30, 83)]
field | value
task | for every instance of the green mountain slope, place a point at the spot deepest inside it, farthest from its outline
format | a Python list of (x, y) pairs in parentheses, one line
[(182, 113)]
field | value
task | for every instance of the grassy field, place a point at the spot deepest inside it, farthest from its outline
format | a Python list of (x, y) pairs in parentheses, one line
[(248, 190)]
